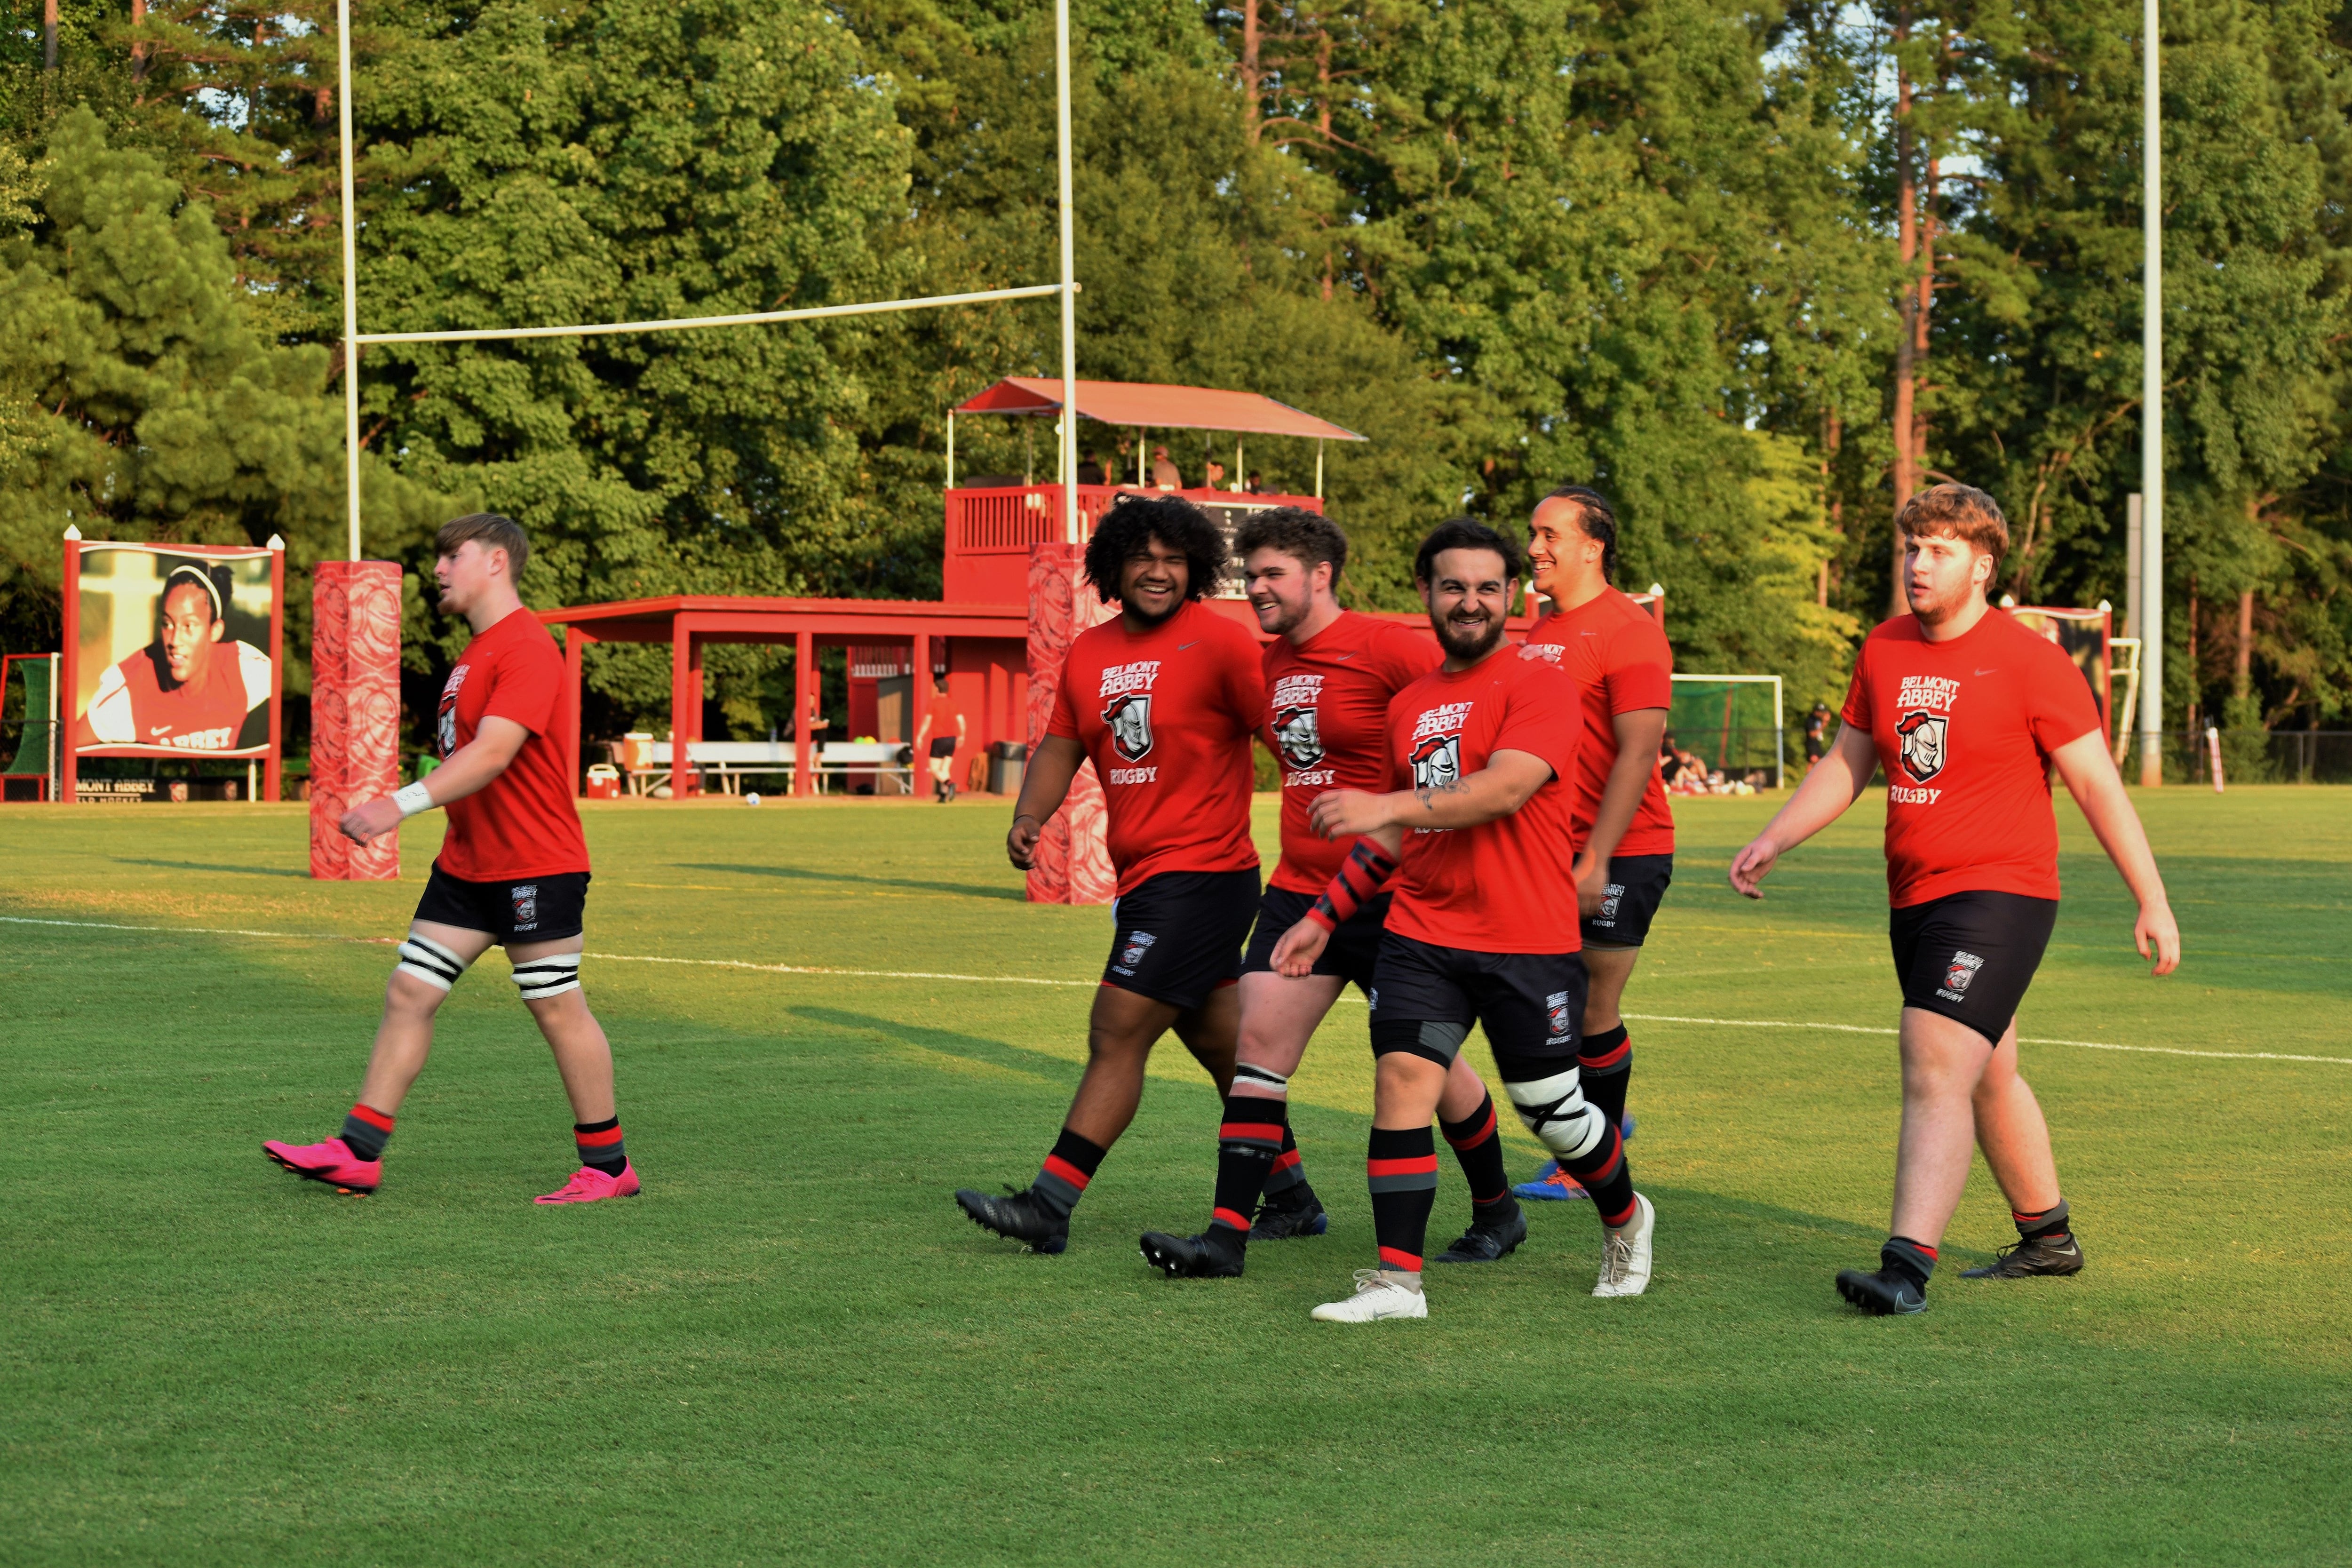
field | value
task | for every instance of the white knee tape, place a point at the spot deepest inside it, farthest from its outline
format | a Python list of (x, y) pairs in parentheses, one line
[(548, 976), (430, 961), (1261, 1082), (1554, 1109)]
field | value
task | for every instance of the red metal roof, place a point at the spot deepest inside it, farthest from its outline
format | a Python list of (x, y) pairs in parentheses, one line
[(1150, 404)]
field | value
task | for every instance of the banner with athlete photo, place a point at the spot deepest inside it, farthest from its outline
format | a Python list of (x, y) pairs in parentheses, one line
[(173, 650), (2083, 637)]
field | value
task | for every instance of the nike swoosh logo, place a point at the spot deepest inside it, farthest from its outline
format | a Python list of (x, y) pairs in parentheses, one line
[(1182, 646), (1341, 657), (158, 729), (1988, 671)]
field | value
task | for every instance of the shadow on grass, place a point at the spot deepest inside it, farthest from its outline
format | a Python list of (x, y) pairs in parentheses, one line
[(206, 866), (796, 874)]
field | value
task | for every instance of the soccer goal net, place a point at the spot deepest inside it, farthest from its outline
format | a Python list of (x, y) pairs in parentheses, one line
[(1733, 725)]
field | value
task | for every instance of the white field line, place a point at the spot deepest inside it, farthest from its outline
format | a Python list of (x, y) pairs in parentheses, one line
[(1090, 985)]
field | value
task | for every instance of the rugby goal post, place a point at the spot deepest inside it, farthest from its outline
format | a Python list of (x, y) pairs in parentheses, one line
[(363, 662)]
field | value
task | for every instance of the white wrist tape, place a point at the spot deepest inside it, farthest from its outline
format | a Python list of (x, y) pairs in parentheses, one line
[(412, 798)]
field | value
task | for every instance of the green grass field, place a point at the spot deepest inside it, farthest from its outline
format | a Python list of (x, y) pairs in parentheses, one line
[(794, 1348)]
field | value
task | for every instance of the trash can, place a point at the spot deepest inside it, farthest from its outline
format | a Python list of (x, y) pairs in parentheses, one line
[(1006, 762)]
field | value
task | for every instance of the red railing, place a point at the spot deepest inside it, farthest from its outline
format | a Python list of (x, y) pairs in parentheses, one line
[(1008, 521)]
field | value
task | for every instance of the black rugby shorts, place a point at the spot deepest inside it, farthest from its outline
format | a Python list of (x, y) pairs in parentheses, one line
[(1970, 956), (1178, 936), (1531, 1005), (1350, 953), (1636, 887), (526, 910)]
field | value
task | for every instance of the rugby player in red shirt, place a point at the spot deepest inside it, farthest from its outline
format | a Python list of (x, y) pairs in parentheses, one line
[(1967, 712), (1616, 652), (512, 872), (1329, 675), (1162, 699), (1483, 926)]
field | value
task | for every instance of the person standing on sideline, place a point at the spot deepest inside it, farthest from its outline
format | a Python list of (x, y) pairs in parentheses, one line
[(1623, 831), (512, 872), (1817, 735), (1163, 698), (1967, 712), (933, 732)]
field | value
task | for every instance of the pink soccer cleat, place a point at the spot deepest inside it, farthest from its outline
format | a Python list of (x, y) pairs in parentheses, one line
[(331, 1161), (588, 1184)]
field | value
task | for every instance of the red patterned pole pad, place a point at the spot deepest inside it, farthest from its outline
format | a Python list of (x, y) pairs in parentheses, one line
[(1073, 861)]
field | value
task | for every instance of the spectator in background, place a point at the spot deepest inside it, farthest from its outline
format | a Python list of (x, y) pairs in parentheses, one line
[(1256, 484), (937, 746), (1090, 469), (1817, 729), (1216, 480), (1164, 474), (1121, 450), (1670, 760)]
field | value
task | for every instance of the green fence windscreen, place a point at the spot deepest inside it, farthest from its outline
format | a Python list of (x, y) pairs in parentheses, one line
[(29, 704), (1727, 724)]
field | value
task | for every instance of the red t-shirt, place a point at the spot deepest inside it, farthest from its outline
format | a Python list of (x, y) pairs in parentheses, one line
[(1616, 653), (1327, 710), (941, 716), (522, 823), (1503, 886), (1167, 717), (1965, 730)]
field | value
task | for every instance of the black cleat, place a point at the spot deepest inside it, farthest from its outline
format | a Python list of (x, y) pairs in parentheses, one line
[(1301, 1216), (1017, 1217), (2022, 1259), (1487, 1240), (1202, 1257), (1885, 1292)]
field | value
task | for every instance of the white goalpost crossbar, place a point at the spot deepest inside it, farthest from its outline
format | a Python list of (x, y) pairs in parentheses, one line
[(353, 339)]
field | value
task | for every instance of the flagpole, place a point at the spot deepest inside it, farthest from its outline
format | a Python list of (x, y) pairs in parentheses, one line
[(1069, 459)]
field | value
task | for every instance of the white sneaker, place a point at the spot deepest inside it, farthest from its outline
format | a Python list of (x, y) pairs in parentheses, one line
[(1379, 1294), (1626, 1254)]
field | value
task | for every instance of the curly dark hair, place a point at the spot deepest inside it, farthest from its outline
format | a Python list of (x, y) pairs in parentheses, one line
[(1308, 537), (1135, 521), (1462, 534), (1598, 518)]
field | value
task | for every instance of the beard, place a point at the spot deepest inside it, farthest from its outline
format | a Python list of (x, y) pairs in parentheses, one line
[(1146, 618), (1286, 616), (1462, 643)]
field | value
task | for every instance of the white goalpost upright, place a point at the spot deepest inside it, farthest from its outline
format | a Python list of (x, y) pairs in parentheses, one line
[(354, 340)]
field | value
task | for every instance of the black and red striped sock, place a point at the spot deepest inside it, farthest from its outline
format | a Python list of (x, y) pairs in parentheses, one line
[(1249, 1140), (2050, 1223), (1477, 1141), (1916, 1259), (600, 1148), (1066, 1174), (1603, 1172), (366, 1131), (1401, 1167), (1287, 1174), (1604, 1068)]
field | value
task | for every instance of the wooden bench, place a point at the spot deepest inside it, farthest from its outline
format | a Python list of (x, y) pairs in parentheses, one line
[(729, 761)]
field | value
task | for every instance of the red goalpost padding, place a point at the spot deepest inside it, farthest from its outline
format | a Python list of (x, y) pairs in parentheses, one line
[(354, 713)]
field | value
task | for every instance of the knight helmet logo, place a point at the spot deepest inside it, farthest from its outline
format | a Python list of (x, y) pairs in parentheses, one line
[(1130, 718), (526, 904), (1922, 743), (1136, 942), (1437, 762), (1300, 735), (1962, 970), (1609, 896)]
